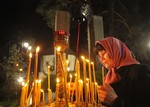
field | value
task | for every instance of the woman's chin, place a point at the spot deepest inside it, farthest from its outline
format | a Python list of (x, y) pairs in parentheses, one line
[(107, 66)]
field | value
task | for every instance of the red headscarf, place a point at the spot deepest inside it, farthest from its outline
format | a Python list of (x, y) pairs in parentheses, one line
[(120, 55)]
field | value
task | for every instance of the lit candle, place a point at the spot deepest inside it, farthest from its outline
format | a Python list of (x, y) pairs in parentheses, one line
[(87, 85), (69, 91), (29, 97), (36, 63), (84, 78), (74, 85), (70, 78), (57, 86), (35, 75), (22, 99), (38, 93), (43, 96), (50, 95), (77, 82), (94, 78), (27, 77), (96, 92), (81, 90), (70, 85), (90, 79), (98, 87), (48, 83)]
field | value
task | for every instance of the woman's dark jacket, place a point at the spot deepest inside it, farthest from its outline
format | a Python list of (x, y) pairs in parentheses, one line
[(134, 88)]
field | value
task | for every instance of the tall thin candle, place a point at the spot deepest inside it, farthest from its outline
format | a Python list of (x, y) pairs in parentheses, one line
[(84, 78), (28, 77), (35, 76), (94, 80), (48, 68), (90, 80)]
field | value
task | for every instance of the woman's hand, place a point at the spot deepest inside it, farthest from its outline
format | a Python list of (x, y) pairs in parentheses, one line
[(107, 94)]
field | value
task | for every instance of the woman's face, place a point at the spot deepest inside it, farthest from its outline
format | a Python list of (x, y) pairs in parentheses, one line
[(105, 59)]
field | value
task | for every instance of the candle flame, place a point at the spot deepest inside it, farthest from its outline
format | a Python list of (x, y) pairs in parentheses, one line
[(42, 91), (75, 74), (23, 84), (67, 61), (68, 69), (39, 81), (70, 76), (81, 81), (36, 81), (57, 80), (30, 55), (82, 57), (20, 69), (95, 83), (49, 89), (58, 48), (87, 79), (92, 63), (20, 79), (87, 60), (37, 49), (17, 64)]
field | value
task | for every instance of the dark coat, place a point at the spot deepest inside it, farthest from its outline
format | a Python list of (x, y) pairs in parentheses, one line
[(134, 88)]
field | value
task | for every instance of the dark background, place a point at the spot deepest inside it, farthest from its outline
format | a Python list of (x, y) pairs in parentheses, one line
[(19, 20)]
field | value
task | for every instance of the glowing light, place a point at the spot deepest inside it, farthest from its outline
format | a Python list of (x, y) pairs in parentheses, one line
[(57, 80), (20, 79), (23, 83), (30, 55), (42, 91), (38, 81), (87, 60), (67, 61), (68, 68), (92, 63), (70, 76), (29, 47), (58, 48), (81, 81), (26, 44), (17, 64), (82, 57), (87, 79), (75, 74), (37, 49), (20, 69), (49, 89), (95, 83)]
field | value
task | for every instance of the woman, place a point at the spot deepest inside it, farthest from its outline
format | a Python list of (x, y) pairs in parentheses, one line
[(127, 82)]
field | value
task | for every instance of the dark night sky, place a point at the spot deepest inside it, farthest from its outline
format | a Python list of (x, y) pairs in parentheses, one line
[(18, 19)]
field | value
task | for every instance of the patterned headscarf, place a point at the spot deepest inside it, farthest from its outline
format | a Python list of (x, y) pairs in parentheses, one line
[(120, 55)]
